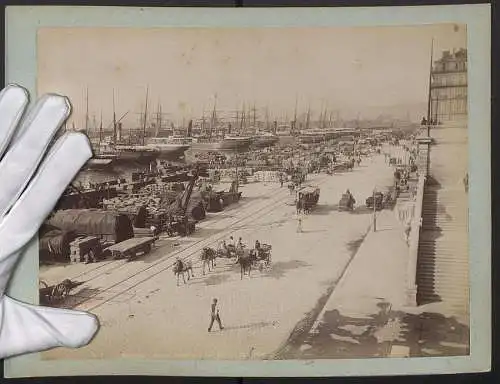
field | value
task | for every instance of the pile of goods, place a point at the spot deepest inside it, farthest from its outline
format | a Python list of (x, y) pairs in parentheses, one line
[(85, 249), (267, 176)]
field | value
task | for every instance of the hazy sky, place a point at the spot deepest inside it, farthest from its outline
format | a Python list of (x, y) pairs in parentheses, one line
[(348, 69)]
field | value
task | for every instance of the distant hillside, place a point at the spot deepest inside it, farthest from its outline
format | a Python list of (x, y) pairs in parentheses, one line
[(413, 112)]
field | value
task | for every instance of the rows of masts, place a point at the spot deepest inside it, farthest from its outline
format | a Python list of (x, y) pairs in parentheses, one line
[(236, 122)]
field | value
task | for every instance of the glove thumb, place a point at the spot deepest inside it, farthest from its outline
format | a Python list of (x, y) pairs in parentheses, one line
[(26, 328)]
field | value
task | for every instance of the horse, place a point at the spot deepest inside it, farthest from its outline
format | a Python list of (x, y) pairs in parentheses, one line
[(182, 267), (245, 260), (208, 256)]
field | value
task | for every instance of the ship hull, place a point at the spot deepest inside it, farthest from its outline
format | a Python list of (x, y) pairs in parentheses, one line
[(309, 139), (227, 144), (99, 163), (170, 151), (262, 142), (143, 157), (235, 143), (205, 146)]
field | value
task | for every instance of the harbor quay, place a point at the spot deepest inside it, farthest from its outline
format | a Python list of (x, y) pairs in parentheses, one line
[(262, 313)]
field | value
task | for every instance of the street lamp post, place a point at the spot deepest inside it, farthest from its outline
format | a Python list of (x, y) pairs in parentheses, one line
[(374, 211)]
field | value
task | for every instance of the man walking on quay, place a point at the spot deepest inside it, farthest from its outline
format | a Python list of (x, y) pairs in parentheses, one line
[(214, 316)]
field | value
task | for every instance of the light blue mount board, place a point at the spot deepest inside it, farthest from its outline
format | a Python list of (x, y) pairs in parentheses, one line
[(21, 29)]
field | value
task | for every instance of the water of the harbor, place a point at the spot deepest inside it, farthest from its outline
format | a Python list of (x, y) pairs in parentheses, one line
[(125, 171)]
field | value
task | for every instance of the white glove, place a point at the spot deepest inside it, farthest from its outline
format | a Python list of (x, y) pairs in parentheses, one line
[(30, 186)]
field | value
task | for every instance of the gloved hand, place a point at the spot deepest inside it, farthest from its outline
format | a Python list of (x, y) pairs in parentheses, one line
[(32, 179)]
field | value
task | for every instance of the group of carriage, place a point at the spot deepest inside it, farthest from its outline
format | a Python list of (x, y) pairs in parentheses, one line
[(258, 258), (378, 201)]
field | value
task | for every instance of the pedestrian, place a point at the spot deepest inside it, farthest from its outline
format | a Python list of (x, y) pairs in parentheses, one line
[(299, 225), (215, 316), (407, 230)]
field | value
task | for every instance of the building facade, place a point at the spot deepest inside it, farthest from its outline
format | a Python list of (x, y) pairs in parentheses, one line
[(449, 87)]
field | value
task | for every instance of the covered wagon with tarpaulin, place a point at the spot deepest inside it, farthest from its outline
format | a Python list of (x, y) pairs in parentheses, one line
[(54, 244), (308, 196), (110, 227)]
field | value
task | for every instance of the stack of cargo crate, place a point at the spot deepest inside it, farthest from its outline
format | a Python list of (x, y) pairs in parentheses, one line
[(85, 249)]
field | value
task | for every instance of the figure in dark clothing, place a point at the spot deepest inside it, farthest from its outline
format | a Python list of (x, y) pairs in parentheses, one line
[(214, 316)]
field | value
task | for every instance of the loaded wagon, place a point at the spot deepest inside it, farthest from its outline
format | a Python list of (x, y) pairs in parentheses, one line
[(108, 226), (129, 249)]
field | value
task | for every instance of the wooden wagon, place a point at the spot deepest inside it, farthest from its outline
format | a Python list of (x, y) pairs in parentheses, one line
[(129, 249)]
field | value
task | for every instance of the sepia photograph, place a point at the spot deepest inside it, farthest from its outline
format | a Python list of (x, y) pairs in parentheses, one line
[(263, 193)]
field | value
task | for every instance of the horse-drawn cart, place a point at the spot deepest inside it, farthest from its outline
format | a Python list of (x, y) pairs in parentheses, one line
[(262, 258), (346, 203), (129, 249), (376, 199)]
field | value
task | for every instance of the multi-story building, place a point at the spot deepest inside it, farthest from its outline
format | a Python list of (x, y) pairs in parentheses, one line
[(449, 86)]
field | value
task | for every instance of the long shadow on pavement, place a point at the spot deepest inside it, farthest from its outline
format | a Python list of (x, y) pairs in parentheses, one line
[(339, 337), (433, 334)]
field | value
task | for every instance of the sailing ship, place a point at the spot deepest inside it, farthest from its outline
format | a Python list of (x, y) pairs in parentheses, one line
[(215, 138), (117, 150), (169, 147)]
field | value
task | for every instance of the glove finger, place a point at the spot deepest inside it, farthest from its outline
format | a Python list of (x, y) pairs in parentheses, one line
[(28, 328), (13, 102), (25, 153), (61, 165)]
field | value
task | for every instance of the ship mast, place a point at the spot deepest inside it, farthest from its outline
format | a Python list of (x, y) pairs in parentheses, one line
[(100, 135), (267, 118), (242, 123), (115, 136), (203, 125), (213, 117), (237, 119), (294, 128), (308, 117), (87, 111), (254, 116), (158, 120), (145, 117)]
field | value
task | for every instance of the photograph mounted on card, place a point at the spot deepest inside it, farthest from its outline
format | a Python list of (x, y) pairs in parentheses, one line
[(267, 196)]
